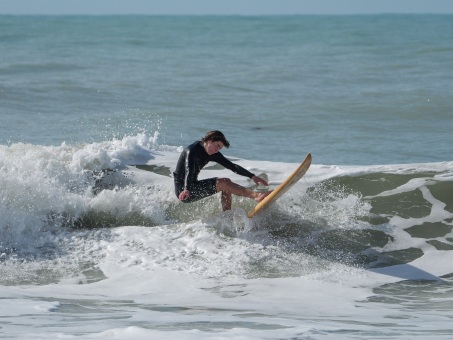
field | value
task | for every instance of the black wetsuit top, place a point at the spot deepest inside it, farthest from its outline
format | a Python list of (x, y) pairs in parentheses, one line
[(194, 158)]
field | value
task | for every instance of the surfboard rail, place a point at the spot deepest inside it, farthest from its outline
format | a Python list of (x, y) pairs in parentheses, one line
[(283, 187)]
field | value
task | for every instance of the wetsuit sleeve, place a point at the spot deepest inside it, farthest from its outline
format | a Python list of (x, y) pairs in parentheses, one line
[(190, 173), (219, 158), (185, 169)]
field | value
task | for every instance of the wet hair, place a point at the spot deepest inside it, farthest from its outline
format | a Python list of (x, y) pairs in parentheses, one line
[(216, 136)]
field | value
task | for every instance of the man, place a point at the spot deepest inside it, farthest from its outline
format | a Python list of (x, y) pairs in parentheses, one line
[(189, 189)]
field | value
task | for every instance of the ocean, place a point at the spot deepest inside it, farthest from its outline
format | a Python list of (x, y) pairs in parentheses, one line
[(94, 112)]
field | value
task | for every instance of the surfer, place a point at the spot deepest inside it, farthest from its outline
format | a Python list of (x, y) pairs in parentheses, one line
[(194, 157)]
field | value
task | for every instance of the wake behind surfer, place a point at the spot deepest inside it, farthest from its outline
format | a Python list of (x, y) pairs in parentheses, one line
[(194, 157)]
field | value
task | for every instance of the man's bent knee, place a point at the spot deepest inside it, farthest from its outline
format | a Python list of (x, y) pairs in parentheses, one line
[(223, 183)]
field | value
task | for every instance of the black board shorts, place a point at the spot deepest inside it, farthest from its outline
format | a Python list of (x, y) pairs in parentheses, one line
[(200, 189)]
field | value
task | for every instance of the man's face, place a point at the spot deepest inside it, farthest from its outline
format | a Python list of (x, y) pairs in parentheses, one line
[(213, 147)]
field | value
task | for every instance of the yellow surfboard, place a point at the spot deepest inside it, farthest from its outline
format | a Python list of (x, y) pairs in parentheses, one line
[(284, 187)]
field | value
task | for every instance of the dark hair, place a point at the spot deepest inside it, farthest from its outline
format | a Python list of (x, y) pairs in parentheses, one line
[(216, 136)]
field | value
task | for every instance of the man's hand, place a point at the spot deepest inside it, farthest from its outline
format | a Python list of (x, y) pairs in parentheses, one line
[(184, 195), (258, 181)]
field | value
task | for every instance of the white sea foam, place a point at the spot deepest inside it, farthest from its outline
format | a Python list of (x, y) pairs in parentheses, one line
[(184, 266)]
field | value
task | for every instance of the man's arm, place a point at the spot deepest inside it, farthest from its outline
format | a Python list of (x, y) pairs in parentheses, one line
[(222, 160)]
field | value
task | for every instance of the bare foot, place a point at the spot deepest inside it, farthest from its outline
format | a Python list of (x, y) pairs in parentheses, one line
[(262, 195)]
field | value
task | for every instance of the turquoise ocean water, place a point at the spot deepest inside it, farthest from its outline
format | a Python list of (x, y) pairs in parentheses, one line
[(94, 111), (351, 89)]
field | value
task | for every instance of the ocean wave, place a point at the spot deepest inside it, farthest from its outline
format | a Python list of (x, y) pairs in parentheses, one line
[(60, 201)]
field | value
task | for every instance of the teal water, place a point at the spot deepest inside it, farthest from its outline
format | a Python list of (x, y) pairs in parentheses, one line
[(350, 89)]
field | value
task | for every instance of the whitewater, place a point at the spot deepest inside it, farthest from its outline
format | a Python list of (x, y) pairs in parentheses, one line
[(88, 253)]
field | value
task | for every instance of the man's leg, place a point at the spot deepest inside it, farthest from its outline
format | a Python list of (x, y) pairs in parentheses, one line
[(226, 199), (228, 188)]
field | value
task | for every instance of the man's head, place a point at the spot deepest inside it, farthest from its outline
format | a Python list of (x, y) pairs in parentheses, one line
[(216, 136), (214, 141)]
